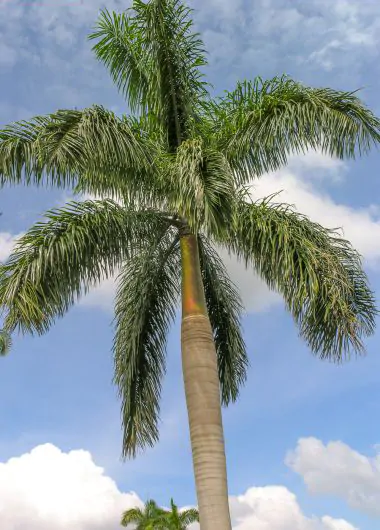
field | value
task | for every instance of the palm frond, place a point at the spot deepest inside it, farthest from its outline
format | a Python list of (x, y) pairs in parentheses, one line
[(261, 123), (61, 258), (5, 342), (142, 518), (318, 273), (91, 148), (188, 517), (177, 56), (199, 184), (120, 48), (132, 516), (146, 300), (154, 57), (224, 308)]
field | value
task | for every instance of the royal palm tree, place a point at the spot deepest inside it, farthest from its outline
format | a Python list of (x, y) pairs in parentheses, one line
[(174, 519), (175, 175), (143, 519)]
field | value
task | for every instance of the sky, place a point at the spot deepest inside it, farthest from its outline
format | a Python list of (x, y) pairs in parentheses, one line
[(303, 441)]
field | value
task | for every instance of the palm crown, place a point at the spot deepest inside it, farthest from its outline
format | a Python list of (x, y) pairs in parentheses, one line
[(154, 518), (180, 165)]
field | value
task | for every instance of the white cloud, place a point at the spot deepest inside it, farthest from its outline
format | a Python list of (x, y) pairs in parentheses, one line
[(101, 296), (7, 242), (328, 523), (361, 226), (48, 489), (336, 469), (52, 490), (276, 508)]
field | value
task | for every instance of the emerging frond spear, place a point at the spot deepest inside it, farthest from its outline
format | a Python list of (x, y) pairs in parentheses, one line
[(59, 259), (146, 299), (154, 57), (318, 273), (261, 123), (175, 519)]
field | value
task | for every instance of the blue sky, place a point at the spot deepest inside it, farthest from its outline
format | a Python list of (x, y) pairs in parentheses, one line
[(57, 389)]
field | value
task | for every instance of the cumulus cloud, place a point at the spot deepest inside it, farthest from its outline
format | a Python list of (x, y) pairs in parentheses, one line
[(276, 508), (361, 226), (52, 490), (336, 469), (48, 489)]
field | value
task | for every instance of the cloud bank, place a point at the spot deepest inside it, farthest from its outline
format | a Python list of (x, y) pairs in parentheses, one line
[(48, 489)]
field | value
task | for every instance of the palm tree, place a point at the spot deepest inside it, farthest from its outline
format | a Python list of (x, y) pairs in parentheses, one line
[(143, 519), (154, 518), (174, 519), (175, 177)]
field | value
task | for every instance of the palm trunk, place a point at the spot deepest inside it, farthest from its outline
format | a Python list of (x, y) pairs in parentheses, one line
[(202, 391)]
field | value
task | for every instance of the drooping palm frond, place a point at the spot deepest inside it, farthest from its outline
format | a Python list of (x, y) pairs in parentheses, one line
[(5, 342), (188, 517), (319, 275), (132, 516), (224, 307), (59, 259), (147, 294), (261, 123), (154, 57), (91, 148)]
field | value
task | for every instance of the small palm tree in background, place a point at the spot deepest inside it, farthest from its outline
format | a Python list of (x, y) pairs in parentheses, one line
[(154, 518), (174, 177), (143, 519)]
